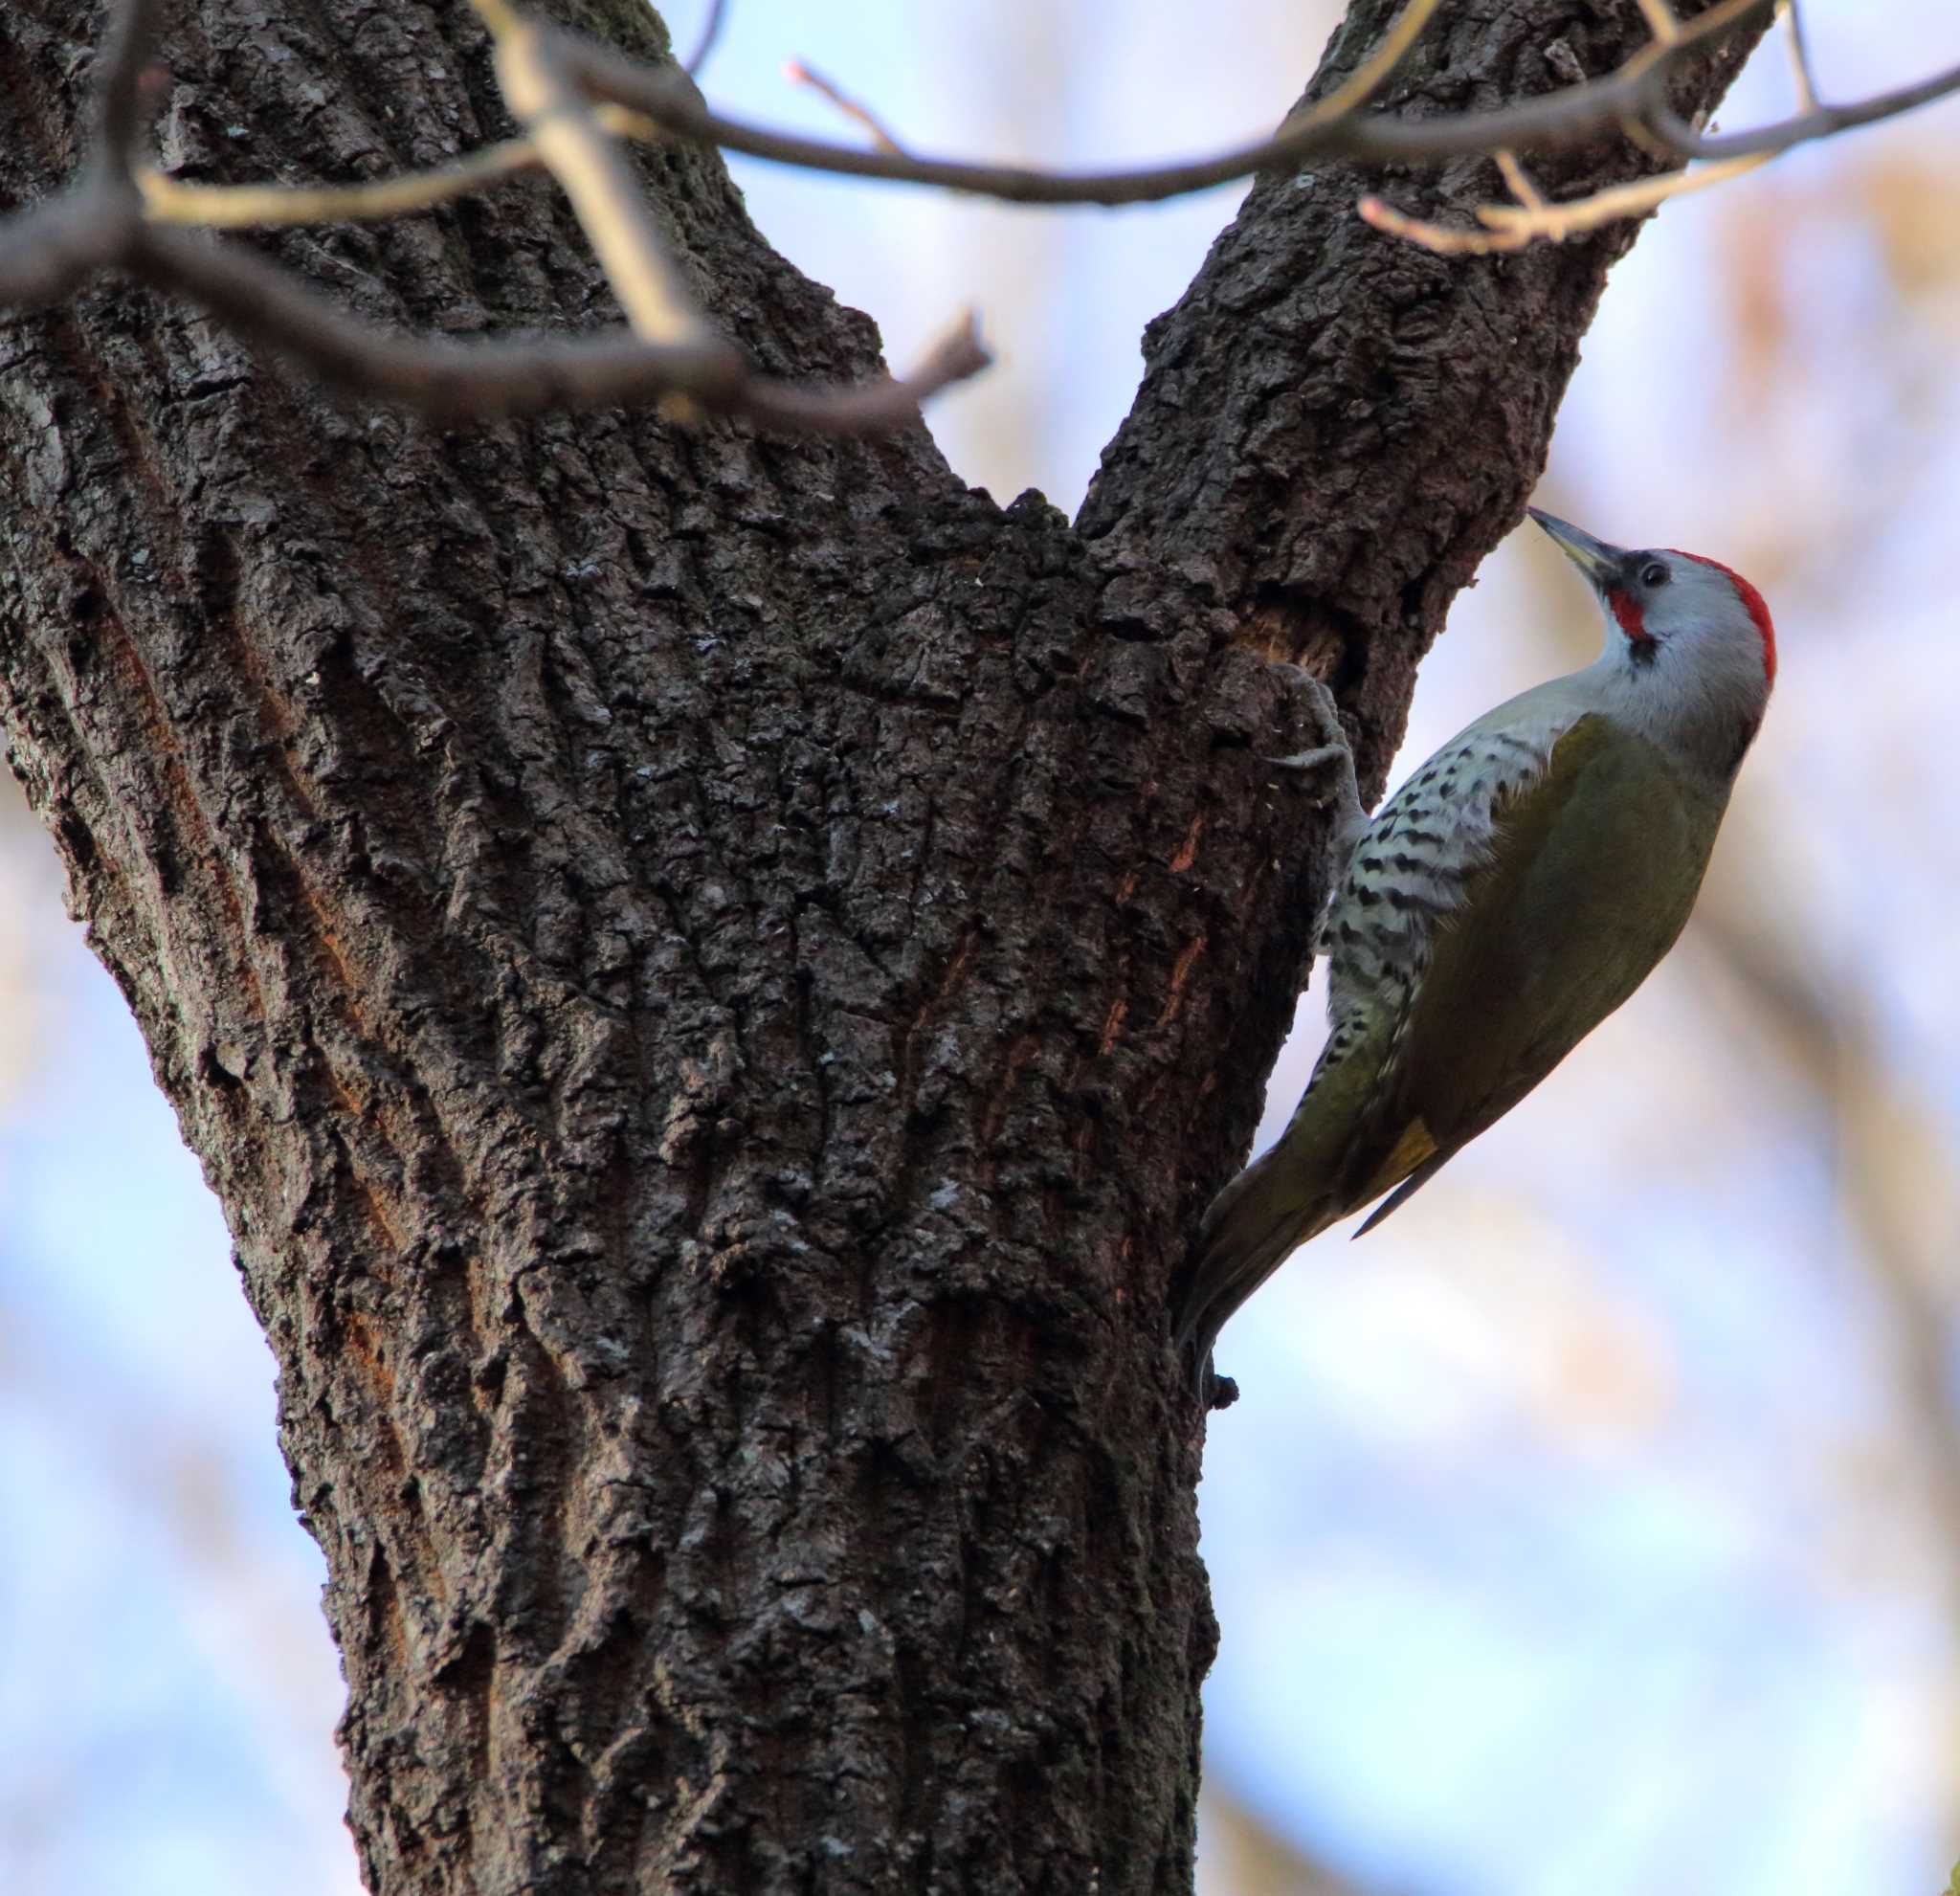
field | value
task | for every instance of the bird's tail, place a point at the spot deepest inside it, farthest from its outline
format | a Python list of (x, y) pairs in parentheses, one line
[(1269, 1210)]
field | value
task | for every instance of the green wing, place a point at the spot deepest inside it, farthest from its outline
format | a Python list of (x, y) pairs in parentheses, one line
[(1593, 869)]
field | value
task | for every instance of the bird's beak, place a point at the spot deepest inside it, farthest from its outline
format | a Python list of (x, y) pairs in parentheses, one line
[(1594, 558)]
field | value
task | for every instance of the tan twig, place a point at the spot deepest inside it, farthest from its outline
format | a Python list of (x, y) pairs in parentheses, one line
[(498, 15), (670, 106), (259, 207), (1797, 42), (1661, 20), (577, 97), (1370, 77), (1509, 227), (1518, 181), (446, 381), (538, 87), (1532, 219), (799, 72), (1644, 69), (111, 218)]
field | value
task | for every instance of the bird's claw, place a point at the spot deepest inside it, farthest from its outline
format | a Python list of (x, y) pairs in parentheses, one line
[(1305, 763), (1214, 1390), (1320, 711), (1332, 758)]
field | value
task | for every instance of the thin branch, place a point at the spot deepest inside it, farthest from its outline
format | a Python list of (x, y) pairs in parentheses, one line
[(799, 72), (1559, 119), (1534, 219), (710, 31), (538, 87), (577, 97), (1798, 44), (872, 407), (112, 217), (119, 118), (498, 15), (464, 381), (650, 102), (1512, 227), (46, 253), (1372, 73), (259, 207), (443, 380), (1661, 20), (1518, 181), (1686, 141)]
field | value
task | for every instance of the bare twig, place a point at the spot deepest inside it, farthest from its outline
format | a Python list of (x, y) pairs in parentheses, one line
[(116, 216), (799, 72), (1823, 121), (488, 380), (576, 98), (119, 118), (1795, 38), (1334, 127), (583, 157), (869, 410), (1533, 218), (1661, 20), (445, 381), (259, 207), (46, 253), (710, 31), (1372, 73)]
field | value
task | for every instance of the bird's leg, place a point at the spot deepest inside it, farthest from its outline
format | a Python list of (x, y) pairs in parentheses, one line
[(1331, 760)]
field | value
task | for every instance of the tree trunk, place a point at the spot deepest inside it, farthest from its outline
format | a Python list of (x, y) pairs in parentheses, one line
[(713, 974)]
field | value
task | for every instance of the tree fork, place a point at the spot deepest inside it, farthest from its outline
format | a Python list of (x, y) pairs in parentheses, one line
[(712, 974)]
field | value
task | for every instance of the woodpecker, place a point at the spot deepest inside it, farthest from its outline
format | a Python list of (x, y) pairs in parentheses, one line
[(1513, 893)]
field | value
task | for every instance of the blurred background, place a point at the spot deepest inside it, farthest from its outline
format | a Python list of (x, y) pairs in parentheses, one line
[(1595, 1527)]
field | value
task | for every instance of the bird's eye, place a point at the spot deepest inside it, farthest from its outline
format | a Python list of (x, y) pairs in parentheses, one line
[(1654, 573)]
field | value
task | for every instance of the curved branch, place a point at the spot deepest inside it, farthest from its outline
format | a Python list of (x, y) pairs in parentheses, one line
[(1805, 127), (482, 381), (1334, 129), (577, 96)]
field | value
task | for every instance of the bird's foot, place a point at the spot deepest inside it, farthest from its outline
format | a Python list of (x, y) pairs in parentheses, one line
[(1212, 1390), (1331, 759)]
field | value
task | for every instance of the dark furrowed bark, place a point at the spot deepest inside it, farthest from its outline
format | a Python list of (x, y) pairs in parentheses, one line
[(711, 973), (1335, 426)]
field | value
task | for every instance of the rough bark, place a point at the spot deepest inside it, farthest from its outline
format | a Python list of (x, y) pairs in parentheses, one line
[(712, 974)]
